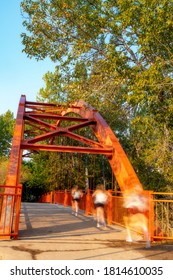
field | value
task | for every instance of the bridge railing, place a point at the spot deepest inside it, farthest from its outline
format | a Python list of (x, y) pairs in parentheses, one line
[(163, 215), (10, 201), (160, 210)]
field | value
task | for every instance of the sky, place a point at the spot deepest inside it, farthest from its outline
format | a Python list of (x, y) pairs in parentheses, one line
[(18, 74)]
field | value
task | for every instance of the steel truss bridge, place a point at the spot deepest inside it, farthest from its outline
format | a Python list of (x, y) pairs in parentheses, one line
[(38, 126)]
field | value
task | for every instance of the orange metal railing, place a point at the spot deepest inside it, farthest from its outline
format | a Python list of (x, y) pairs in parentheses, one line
[(9, 213), (160, 210), (114, 210), (163, 211)]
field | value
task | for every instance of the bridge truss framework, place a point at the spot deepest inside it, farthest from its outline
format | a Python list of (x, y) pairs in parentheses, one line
[(39, 123)]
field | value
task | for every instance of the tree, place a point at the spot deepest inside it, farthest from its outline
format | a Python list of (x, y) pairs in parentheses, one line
[(6, 133), (3, 170), (126, 48)]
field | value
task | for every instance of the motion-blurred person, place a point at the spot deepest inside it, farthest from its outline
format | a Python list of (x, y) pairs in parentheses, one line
[(137, 206), (76, 196), (100, 199)]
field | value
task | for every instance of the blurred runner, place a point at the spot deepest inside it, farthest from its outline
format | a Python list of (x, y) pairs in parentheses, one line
[(76, 196), (100, 199), (137, 206)]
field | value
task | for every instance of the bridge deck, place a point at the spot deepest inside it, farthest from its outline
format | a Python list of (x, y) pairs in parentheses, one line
[(51, 232)]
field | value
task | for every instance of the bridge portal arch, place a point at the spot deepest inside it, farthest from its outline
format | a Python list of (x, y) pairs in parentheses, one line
[(37, 122)]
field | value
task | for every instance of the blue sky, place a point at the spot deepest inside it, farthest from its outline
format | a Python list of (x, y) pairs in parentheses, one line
[(18, 74)]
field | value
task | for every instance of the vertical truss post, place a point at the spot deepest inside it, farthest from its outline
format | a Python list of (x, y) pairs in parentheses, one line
[(11, 201)]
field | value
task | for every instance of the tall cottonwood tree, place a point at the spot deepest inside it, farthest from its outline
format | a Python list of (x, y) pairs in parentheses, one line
[(6, 133), (126, 47)]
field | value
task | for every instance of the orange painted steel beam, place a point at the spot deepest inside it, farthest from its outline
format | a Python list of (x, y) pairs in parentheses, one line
[(67, 149), (13, 175), (53, 117), (10, 204)]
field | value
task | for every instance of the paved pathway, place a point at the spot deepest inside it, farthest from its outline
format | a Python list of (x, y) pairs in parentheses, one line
[(51, 232)]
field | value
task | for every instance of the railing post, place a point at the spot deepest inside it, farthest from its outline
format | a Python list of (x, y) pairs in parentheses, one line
[(18, 206), (109, 208), (151, 215), (51, 197), (65, 198), (88, 203), (56, 195)]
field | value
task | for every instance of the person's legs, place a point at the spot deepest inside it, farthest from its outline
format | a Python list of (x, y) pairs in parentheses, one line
[(128, 232), (97, 211), (73, 206), (76, 207), (100, 216)]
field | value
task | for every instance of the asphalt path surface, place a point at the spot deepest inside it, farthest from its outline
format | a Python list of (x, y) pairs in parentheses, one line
[(52, 232)]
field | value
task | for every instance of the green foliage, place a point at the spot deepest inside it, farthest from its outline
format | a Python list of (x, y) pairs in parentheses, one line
[(117, 56), (55, 88), (37, 183), (3, 169), (6, 133)]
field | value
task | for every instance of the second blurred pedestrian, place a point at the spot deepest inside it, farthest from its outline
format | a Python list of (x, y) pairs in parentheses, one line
[(100, 199), (76, 196)]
